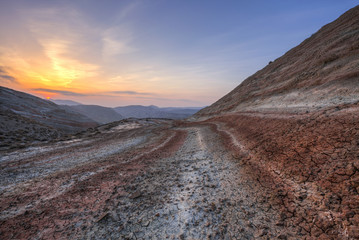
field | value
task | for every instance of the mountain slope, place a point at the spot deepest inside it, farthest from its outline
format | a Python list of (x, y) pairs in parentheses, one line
[(65, 102), (26, 118), (97, 113), (322, 71), (293, 128)]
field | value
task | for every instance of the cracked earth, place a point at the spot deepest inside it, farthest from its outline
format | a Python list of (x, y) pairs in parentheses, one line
[(238, 176)]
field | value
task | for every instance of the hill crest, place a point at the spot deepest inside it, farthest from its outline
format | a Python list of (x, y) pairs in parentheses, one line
[(321, 71)]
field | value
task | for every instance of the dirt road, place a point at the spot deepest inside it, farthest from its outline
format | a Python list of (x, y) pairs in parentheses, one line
[(148, 180), (194, 194), (240, 176)]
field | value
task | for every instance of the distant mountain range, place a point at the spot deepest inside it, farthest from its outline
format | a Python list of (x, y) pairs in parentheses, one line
[(105, 115), (138, 111), (97, 113), (25, 118)]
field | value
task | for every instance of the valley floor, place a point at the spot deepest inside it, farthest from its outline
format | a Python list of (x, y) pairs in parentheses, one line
[(161, 179)]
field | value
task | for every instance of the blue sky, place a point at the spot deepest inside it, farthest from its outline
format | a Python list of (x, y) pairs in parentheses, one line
[(166, 53)]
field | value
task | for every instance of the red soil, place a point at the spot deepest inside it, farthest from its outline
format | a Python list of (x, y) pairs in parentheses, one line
[(55, 214), (308, 163)]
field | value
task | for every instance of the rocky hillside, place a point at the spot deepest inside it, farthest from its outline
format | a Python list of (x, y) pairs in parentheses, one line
[(322, 71), (294, 129), (26, 119)]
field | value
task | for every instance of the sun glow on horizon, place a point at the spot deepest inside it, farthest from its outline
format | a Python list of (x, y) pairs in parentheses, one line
[(136, 52)]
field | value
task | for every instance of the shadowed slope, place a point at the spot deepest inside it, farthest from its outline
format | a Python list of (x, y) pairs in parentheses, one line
[(43, 111), (26, 119), (98, 113)]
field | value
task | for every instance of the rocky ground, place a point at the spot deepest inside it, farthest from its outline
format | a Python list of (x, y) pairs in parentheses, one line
[(276, 158), (248, 175), (18, 132)]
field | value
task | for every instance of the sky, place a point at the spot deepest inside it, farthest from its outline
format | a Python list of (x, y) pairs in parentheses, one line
[(150, 52)]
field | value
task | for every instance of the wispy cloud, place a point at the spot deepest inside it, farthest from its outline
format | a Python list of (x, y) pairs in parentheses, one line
[(117, 41), (131, 93), (163, 99), (127, 10), (63, 92), (67, 68), (108, 93), (65, 38), (118, 38), (5, 77)]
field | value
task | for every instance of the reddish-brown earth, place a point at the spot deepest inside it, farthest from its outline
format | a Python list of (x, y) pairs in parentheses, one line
[(277, 158), (245, 175), (294, 127), (307, 163)]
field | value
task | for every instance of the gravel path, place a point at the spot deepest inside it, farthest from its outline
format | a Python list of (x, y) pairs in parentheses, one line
[(197, 193)]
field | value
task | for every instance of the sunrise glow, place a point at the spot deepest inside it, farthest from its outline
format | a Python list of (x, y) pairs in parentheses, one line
[(140, 52)]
